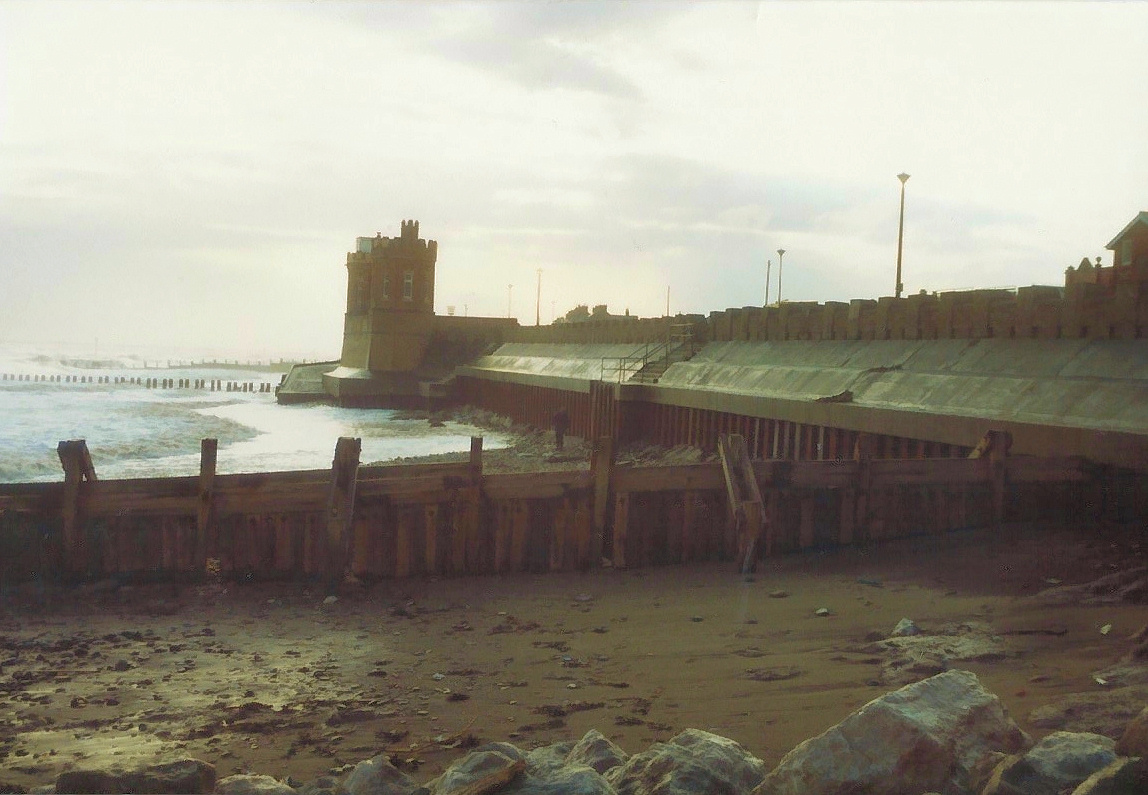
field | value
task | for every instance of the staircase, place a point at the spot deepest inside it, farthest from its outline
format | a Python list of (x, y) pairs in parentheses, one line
[(648, 363)]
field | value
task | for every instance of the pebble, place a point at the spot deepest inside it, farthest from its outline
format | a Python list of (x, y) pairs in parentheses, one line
[(822, 611), (696, 619), (330, 600), (778, 594)]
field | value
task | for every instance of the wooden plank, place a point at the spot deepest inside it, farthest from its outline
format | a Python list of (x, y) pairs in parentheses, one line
[(621, 528), (205, 510), (403, 532), (699, 477), (341, 505), (520, 525), (502, 535), (805, 537), (78, 469), (848, 508), (431, 513), (689, 536), (602, 474)]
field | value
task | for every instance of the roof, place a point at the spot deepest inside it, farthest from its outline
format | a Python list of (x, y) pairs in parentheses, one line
[(1141, 218)]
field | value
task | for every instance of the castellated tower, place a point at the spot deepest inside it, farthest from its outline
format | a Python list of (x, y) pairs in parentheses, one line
[(390, 301)]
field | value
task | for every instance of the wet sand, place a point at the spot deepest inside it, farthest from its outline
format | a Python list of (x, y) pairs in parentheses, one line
[(269, 678)]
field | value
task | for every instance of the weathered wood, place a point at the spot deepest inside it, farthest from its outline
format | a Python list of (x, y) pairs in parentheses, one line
[(520, 526), (77, 464), (208, 449), (431, 513), (601, 472), (805, 533), (621, 529), (846, 518), (341, 504), (475, 462)]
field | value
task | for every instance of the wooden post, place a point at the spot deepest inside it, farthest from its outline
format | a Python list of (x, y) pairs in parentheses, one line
[(998, 471), (205, 514), (475, 460), (77, 464), (601, 472), (805, 533), (621, 526), (341, 505)]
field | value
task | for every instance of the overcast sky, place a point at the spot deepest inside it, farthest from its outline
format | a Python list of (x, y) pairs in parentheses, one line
[(194, 174)]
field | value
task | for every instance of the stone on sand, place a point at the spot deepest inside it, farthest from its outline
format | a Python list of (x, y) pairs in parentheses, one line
[(596, 751), (691, 763), (929, 735), (377, 776), (252, 785), (1059, 762)]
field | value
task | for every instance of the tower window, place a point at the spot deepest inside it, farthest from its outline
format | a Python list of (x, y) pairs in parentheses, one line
[(408, 286)]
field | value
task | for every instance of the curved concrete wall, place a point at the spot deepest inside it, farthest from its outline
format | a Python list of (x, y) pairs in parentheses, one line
[(581, 362), (1098, 384)]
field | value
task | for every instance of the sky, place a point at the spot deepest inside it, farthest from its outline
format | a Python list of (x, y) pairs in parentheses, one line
[(193, 174)]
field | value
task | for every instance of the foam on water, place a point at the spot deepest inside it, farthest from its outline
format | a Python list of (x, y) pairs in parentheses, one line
[(132, 431)]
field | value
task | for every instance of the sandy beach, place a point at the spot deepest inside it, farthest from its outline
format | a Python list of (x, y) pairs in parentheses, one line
[(281, 679)]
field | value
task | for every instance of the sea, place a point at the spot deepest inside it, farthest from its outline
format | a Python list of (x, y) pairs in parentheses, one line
[(134, 431)]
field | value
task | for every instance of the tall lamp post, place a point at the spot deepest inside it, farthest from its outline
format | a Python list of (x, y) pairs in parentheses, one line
[(901, 233), (538, 301), (780, 261), (509, 293), (768, 265)]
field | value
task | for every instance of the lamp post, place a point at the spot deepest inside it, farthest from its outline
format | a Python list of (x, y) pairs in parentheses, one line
[(780, 260), (538, 301), (768, 265), (509, 292), (900, 233)]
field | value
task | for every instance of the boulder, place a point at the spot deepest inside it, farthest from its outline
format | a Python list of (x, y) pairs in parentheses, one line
[(1134, 740), (691, 763), (377, 776), (543, 761), (183, 776), (480, 771), (930, 735), (905, 627), (252, 785), (1122, 777), (596, 751), (911, 656), (1059, 762), (570, 780)]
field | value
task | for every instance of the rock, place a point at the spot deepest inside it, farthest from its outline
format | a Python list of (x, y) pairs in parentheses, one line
[(545, 760), (1134, 740), (252, 785), (1105, 712), (377, 776), (778, 594), (693, 762), (479, 772), (330, 600), (183, 776), (595, 751), (13, 788), (905, 627), (324, 785), (1122, 777), (822, 611), (930, 735), (911, 658), (1060, 761), (574, 780)]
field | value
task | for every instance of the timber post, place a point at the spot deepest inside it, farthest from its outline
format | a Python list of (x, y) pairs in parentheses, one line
[(77, 464), (601, 473), (341, 505), (1000, 442), (205, 514)]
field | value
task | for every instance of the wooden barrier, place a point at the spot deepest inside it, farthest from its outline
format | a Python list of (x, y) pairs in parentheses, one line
[(441, 519)]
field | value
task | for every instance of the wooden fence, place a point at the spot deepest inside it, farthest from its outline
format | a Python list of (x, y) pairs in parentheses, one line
[(205, 384), (442, 519)]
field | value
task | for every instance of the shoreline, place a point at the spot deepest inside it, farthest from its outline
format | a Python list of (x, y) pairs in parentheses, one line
[(276, 679)]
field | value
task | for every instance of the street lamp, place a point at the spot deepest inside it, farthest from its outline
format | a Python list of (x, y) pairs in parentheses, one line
[(509, 292), (780, 260), (900, 233), (768, 265), (538, 301)]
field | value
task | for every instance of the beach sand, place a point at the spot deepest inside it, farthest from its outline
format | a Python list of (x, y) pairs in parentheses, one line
[(277, 679)]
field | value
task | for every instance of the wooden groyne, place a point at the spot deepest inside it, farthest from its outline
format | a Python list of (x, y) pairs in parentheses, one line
[(453, 519), (202, 384)]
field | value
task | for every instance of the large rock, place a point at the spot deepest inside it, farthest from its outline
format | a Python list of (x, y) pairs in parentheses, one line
[(694, 762), (184, 776), (1059, 762), (252, 785), (483, 770), (910, 656), (570, 780), (377, 776), (595, 750), (1122, 777), (1134, 740), (926, 736)]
